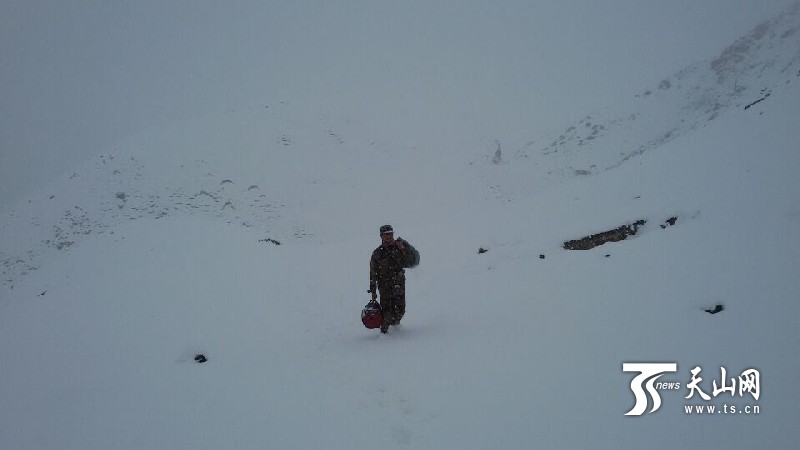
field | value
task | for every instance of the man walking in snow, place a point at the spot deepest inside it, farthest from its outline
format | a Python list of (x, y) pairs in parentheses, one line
[(387, 275)]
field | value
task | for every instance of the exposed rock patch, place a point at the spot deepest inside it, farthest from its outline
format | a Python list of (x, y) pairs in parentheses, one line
[(716, 309), (615, 235)]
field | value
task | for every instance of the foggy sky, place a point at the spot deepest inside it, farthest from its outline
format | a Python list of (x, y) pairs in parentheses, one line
[(79, 76)]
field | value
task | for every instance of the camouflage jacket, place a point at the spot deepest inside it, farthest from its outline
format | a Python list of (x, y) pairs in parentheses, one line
[(386, 266)]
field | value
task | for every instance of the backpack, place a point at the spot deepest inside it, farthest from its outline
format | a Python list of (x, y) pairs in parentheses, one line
[(411, 259), (371, 315)]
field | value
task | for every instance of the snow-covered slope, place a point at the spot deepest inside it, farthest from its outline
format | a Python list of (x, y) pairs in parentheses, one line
[(763, 63), (165, 247)]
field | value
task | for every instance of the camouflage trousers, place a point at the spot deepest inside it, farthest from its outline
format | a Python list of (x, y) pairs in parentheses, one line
[(393, 301)]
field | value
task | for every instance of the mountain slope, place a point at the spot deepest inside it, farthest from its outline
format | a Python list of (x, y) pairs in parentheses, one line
[(763, 63)]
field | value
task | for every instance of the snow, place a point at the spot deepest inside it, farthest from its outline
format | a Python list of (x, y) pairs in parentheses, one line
[(117, 273)]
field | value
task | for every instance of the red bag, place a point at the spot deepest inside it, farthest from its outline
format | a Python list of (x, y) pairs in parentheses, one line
[(371, 315)]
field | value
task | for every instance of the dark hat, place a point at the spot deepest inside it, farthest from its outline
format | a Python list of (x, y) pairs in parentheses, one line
[(386, 229)]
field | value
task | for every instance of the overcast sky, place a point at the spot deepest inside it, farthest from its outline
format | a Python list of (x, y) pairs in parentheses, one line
[(80, 75)]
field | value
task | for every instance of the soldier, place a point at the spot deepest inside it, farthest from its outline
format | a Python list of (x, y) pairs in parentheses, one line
[(387, 275)]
